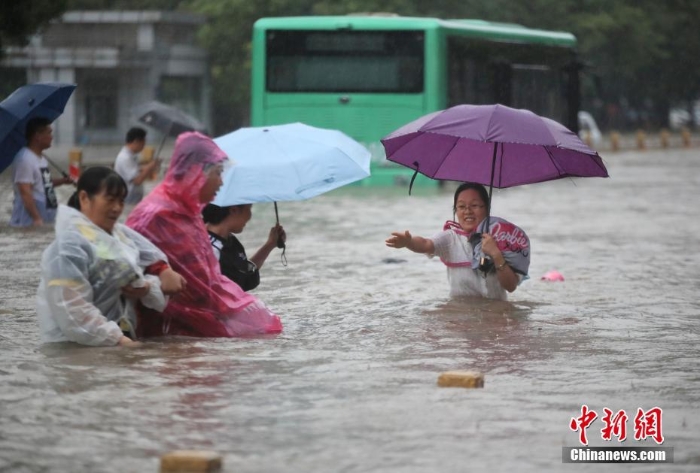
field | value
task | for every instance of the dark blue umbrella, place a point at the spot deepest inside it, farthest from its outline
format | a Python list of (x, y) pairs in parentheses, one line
[(44, 99)]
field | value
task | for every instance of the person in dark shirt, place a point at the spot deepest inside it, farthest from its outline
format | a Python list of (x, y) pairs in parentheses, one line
[(222, 223)]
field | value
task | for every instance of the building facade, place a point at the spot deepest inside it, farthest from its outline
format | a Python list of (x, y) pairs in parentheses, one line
[(119, 60)]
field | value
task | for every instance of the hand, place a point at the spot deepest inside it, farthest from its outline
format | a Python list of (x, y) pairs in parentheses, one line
[(489, 246), (67, 180), (132, 292), (399, 240), (171, 282), (127, 342), (277, 232), (37, 222)]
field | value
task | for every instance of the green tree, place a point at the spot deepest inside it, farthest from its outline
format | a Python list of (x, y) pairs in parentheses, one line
[(19, 20), (227, 37)]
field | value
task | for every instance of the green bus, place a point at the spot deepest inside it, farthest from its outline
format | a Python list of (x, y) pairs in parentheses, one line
[(368, 75)]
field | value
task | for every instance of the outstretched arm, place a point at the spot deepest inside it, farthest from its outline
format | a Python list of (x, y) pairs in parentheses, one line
[(416, 244)]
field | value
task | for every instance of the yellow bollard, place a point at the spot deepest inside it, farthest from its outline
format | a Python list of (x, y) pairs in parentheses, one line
[(461, 379), (641, 140), (615, 141), (147, 155), (685, 135), (191, 461), (665, 138), (75, 163)]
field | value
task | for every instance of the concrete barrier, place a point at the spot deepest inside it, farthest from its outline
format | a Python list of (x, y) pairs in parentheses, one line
[(642, 140)]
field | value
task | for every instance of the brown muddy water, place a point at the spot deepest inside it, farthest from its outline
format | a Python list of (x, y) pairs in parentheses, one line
[(350, 386)]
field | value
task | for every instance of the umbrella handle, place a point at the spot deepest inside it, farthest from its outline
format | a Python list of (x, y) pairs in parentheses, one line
[(486, 263), (280, 242)]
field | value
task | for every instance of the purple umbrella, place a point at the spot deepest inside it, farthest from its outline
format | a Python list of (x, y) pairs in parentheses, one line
[(493, 145)]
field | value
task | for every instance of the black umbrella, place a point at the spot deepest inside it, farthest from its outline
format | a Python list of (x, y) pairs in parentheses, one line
[(170, 121)]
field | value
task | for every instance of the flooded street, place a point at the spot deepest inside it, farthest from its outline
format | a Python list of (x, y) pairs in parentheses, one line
[(350, 385)]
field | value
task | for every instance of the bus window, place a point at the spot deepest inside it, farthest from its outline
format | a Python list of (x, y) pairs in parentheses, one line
[(518, 75), (345, 61), (541, 89)]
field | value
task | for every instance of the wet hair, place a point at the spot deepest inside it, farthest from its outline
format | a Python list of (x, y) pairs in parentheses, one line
[(214, 214), (34, 126), (483, 193), (135, 134), (97, 179)]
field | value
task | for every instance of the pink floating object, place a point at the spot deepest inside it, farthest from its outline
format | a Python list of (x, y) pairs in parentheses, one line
[(552, 276)]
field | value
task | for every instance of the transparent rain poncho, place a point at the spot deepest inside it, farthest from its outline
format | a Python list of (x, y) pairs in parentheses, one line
[(171, 217), (83, 270)]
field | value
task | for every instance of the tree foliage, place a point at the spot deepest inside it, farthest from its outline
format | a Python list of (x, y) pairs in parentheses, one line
[(20, 20), (641, 55)]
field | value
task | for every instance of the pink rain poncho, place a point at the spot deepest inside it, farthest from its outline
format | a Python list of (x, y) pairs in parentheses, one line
[(170, 217)]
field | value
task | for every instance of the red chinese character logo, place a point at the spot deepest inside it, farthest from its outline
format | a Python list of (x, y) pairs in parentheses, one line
[(614, 425), (581, 423), (648, 424)]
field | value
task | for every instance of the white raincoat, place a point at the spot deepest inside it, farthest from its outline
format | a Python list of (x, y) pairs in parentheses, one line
[(82, 273)]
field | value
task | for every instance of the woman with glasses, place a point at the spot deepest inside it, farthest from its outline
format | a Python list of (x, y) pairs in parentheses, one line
[(464, 240), (171, 217)]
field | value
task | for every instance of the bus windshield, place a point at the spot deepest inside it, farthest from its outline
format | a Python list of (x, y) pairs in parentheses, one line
[(345, 61)]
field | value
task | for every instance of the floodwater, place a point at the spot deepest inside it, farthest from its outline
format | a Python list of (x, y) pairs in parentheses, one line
[(350, 386)]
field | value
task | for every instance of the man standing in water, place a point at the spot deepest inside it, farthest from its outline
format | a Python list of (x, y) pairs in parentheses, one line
[(35, 200), (128, 167)]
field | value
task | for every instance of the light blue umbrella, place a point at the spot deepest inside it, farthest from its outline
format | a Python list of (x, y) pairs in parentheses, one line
[(288, 162)]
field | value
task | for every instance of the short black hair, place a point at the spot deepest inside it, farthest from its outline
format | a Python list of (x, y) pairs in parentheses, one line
[(97, 179), (214, 214), (135, 133), (483, 193), (34, 126)]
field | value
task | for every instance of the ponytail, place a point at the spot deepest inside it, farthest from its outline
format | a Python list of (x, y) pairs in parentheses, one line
[(74, 201)]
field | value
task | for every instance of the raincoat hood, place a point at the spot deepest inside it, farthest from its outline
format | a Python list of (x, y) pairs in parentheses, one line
[(185, 176)]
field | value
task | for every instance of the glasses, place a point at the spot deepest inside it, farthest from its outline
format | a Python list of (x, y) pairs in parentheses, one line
[(472, 207)]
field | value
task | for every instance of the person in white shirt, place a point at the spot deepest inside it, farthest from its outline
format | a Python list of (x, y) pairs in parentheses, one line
[(462, 241), (35, 200), (128, 167)]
